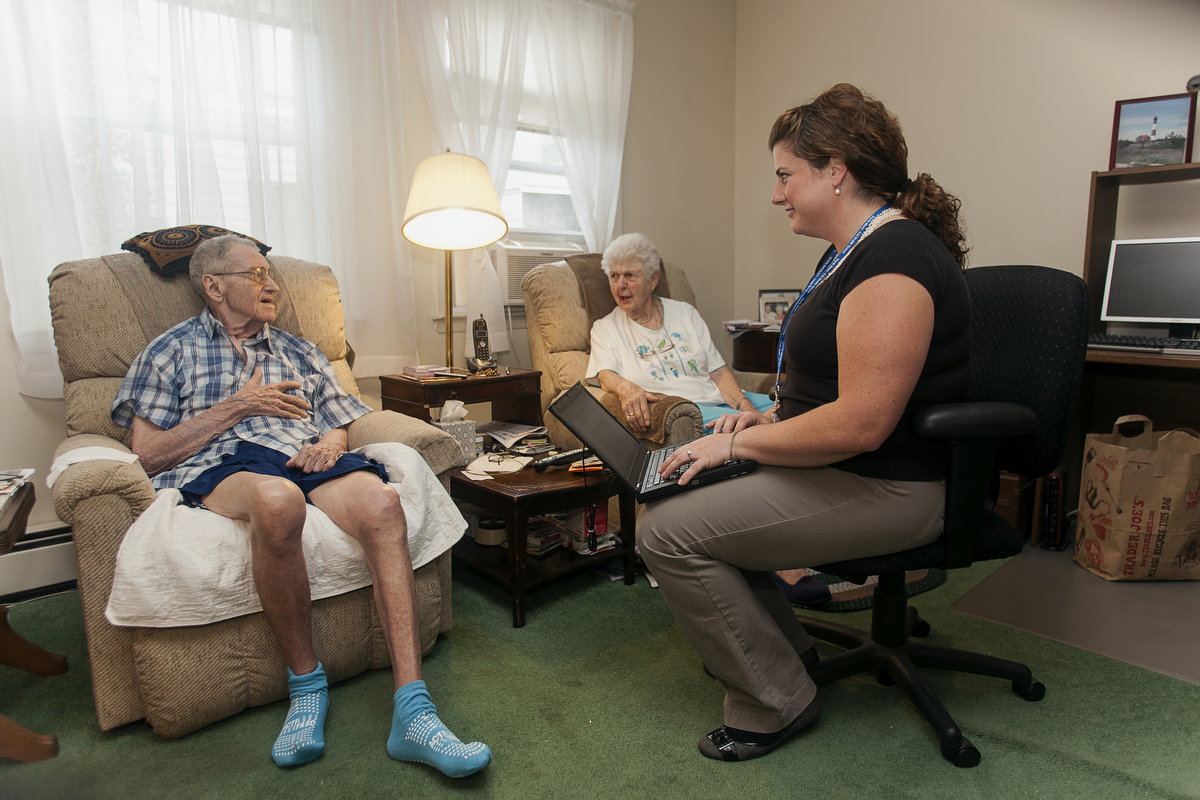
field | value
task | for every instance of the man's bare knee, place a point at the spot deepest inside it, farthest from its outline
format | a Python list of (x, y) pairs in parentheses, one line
[(277, 512), (374, 515)]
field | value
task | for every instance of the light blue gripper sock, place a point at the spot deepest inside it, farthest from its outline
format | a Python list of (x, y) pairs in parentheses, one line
[(418, 735), (303, 736)]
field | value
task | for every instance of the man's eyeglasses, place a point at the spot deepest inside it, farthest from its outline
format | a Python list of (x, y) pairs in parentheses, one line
[(259, 274)]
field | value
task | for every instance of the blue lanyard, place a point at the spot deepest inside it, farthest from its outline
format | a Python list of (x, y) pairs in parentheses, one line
[(832, 262)]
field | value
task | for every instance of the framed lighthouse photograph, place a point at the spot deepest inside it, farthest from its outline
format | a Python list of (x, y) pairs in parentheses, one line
[(1153, 131)]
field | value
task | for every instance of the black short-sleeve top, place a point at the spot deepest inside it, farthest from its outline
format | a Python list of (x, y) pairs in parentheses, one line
[(908, 248)]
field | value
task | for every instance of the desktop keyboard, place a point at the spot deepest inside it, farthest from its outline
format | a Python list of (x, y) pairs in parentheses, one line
[(1168, 345)]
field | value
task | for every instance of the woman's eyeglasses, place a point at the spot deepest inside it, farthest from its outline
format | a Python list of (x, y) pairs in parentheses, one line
[(646, 355), (259, 274)]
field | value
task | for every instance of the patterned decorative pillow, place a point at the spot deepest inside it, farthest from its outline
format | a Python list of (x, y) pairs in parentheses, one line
[(168, 251)]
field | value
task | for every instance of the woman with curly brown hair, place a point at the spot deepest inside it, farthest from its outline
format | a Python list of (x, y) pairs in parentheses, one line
[(881, 330)]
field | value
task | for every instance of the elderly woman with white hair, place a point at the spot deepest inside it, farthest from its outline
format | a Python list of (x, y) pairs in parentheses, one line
[(651, 346)]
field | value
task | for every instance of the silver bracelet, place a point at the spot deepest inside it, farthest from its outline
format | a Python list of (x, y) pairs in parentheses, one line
[(731, 441)]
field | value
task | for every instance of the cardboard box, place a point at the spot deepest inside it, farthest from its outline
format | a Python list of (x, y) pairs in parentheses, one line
[(463, 431), (1016, 504)]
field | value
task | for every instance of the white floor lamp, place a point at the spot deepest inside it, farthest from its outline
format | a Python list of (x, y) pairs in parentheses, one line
[(452, 205)]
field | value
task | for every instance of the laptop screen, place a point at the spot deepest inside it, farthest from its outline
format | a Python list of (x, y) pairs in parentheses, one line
[(591, 422)]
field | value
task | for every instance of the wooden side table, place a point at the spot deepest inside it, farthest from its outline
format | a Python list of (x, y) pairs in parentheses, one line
[(755, 351), (16, 741), (515, 394), (518, 496)]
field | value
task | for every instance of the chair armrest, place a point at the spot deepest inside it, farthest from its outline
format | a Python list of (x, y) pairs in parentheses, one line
[(672, 419), (973, 420), (439, 449), (92, 479), (975, 431)]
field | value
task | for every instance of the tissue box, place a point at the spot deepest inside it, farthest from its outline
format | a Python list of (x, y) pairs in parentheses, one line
[(463, 431)]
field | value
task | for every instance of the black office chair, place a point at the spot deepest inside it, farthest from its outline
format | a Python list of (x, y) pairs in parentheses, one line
[(1029, 330)]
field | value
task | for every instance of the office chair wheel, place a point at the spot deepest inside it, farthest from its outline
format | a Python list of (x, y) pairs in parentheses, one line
[(1032, 692), (965, 755)]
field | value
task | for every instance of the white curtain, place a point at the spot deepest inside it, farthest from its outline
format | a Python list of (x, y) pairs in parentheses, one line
[(367, 186), (583, 54), (279, 119)]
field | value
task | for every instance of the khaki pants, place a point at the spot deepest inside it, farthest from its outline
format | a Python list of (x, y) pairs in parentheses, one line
[(712, 551)]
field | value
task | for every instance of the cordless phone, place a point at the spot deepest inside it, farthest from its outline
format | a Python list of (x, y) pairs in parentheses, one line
[(483, 351)]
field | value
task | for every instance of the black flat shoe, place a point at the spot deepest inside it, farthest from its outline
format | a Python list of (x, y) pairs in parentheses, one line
[(721, 746)]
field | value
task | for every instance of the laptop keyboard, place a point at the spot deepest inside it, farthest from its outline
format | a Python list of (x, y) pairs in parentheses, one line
[(655, 461)]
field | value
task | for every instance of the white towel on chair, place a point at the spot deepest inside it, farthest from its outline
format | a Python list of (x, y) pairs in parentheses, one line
[(81, 454), (182, 566)]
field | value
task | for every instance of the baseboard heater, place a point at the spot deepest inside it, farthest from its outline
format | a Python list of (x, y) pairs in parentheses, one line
[(39, 561)]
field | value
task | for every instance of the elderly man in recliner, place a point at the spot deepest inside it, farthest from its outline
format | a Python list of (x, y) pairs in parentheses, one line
[(250, 422)]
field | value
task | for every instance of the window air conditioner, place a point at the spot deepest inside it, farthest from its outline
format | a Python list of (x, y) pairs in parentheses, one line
[(514, 259)]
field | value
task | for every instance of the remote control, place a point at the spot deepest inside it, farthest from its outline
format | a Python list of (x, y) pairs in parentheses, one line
[(562, 458)]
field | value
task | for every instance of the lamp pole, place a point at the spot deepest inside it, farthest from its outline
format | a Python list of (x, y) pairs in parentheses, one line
[(449, 309)]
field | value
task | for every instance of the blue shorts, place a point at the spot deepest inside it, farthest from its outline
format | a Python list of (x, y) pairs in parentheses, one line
[(250, 457)]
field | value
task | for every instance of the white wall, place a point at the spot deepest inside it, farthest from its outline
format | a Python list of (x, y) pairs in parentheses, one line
[(678, 175), (1007, 103)]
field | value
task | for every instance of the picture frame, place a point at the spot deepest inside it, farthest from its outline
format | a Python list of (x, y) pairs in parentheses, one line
[(1153, 131), (774, 304)]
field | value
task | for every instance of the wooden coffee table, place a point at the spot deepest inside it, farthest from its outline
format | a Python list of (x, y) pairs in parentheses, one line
[(518, 496)]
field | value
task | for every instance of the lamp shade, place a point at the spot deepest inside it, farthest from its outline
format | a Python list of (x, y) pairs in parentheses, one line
[(452, 205)]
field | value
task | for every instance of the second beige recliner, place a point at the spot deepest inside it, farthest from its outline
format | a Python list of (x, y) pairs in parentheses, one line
[(562, 300)]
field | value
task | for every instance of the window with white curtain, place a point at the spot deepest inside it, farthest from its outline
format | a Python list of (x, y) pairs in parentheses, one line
[(268, 117), (504, 79), (536, 196), (173, 130)]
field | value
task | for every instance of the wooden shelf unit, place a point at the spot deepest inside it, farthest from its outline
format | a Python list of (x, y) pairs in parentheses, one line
[(1165, 388), (1102, 229)]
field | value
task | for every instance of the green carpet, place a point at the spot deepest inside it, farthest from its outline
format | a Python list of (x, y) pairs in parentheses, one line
[(600, 696)]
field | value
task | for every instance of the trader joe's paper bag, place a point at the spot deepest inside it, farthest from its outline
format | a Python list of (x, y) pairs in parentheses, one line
[(1139, 505)]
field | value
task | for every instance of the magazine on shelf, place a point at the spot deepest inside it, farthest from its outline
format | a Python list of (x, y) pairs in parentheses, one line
[(508, 433), (736, 327)]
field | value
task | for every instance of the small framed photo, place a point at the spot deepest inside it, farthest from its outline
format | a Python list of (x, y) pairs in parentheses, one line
[(1153, 131), (773, 304)]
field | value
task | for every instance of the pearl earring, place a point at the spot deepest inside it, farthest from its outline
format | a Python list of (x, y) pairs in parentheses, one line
[(837, 190)]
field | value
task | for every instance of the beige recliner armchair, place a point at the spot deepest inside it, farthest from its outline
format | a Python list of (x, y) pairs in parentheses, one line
[(562, 300), (105, 311)]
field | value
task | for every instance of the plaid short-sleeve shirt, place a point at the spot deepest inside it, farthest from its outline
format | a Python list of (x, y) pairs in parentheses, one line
[(194, 366)]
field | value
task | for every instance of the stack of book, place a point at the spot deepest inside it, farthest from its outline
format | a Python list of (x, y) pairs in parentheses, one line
[(423, 370), (575, 535), (532, 446), (544, 537)]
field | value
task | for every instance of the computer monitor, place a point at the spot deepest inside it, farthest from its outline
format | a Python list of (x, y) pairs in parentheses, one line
[(1153, 280)]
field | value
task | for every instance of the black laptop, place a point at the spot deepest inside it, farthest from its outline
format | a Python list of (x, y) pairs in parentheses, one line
[(634, 463)]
